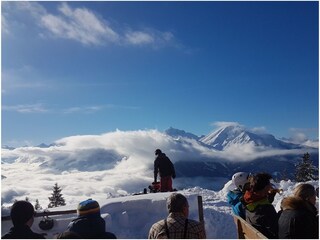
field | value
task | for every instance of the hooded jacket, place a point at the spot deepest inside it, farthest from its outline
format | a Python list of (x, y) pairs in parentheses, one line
[(163, 164), (261, 214), (234, 199), (90, 226), (298, 219)]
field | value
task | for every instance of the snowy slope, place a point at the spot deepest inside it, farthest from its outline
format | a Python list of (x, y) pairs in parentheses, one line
[(132, 216)]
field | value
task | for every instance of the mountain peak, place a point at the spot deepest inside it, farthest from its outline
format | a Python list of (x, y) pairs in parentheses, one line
[(233, 133), (173, 132)]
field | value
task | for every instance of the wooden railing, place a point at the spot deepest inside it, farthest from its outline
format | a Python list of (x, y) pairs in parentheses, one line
[(246, 231), (45, 213)]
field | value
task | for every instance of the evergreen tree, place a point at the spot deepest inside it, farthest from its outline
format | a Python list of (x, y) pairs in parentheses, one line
[(56, 198), (37, 205), (284, 175), (305, 170)]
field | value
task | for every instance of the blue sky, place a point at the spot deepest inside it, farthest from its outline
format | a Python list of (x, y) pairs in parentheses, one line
[(73, 68)]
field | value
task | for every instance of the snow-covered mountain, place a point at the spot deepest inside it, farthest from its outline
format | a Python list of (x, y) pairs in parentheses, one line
[(227, 136), (176, 133), (7, 147), (236, 142)]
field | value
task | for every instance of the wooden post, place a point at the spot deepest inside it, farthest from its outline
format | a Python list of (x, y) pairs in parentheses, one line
[(200, 209)]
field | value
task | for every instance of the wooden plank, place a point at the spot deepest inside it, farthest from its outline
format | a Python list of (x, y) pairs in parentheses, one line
[(246, 231)]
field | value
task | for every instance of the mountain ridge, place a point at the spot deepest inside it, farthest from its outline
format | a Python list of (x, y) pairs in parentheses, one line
[(226, 136), (222, 138)]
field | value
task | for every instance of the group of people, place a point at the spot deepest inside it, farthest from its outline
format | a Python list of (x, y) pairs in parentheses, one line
[(90, 225), (252, 200)]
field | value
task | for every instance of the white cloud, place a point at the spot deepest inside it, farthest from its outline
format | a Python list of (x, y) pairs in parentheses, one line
[(4, 25), (151, 37), (87, 27), (300, 136), (90, 109), (220, 124), (40, 108), (22, 78), (31, 108), (259, 130), (79, 24), (138, 38), (34, 8), (310, 143), (97, 108)]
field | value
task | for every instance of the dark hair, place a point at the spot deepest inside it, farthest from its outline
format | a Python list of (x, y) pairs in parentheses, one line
[(21, 212), (157, 152), (304, 191), (176, 202), (259, 181)]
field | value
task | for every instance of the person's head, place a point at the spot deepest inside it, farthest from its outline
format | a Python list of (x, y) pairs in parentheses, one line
[(88, 207), (157, 152), (239, 179), (177, 203), (22, 213), (260, 183), (306, 192)]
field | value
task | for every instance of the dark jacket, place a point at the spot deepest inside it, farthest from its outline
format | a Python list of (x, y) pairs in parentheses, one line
[(298, 219), (234, 199), (261, 214), (90, 226), (22, 232), (164, 166)]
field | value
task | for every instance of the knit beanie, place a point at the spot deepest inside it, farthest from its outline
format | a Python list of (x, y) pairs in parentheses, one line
[(88, 207), (21, 212)]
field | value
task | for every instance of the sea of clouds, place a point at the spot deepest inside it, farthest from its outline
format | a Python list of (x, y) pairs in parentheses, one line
[(107, 165)]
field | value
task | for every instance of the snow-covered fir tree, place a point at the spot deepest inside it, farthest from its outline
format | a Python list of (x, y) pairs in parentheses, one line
[(305, 170), (56, 198), (37, 206)]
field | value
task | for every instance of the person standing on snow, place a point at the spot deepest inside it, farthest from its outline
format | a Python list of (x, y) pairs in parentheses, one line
[(164, 166)]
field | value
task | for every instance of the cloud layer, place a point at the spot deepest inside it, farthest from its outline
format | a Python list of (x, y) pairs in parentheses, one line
[(109, 164)]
